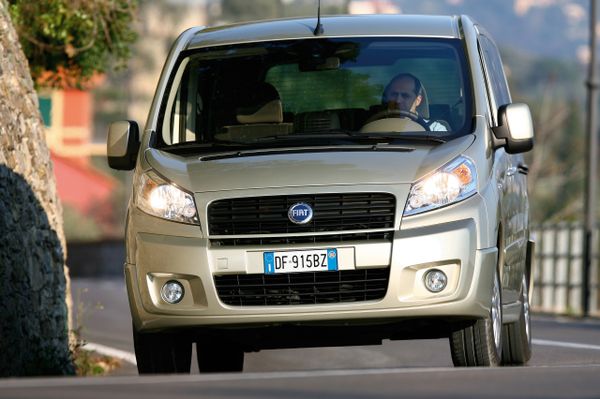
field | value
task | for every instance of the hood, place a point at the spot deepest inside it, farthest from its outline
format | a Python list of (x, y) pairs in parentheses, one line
[(306, 167)]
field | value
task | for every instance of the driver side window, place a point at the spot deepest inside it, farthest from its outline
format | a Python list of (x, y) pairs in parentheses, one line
[(498, 86)]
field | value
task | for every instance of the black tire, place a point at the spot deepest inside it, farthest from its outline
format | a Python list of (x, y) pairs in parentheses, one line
[(219, 358), (162, 353), (480, 344), (517, 335)]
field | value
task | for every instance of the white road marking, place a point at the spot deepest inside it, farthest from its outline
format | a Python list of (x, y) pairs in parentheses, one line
[(54, 382), (130, 357), (113, 352), (570, 345)]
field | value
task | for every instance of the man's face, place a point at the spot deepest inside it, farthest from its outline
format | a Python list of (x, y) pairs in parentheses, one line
[(400, 94)]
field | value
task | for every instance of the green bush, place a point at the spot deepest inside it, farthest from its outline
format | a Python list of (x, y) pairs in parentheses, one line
[(68, 41)]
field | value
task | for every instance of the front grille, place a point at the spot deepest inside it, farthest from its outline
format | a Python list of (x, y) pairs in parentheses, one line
[(331, 212), (302, 288), (335, 238)]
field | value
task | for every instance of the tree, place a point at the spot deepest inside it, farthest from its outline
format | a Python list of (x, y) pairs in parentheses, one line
[(236, 10), (244, 10), (554, 91), (66, 42)]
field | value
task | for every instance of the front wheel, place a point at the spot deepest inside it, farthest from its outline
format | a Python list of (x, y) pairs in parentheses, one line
[(480, 344), (517, 335)]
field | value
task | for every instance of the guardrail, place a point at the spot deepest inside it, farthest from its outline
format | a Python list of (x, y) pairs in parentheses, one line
[(96, 259), (558, 270)]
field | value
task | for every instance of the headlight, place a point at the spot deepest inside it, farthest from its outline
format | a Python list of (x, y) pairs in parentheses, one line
[(453, 182), (164, 200)]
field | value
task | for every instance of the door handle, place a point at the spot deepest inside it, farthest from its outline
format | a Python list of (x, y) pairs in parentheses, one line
[(523, 168)]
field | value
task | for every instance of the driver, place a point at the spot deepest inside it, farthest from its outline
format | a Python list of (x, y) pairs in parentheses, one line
[(405, 93)]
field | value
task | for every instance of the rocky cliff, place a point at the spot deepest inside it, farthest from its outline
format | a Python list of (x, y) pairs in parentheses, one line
[(34, 336)]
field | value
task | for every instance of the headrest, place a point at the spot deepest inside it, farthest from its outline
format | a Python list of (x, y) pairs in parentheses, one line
[(423, 108), (260, 105), (271, 112)]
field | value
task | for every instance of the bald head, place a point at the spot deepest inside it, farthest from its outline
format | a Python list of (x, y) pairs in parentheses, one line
[(403, 93)]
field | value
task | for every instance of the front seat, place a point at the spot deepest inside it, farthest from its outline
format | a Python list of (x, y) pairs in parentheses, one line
[(261, 105), (259, 114)]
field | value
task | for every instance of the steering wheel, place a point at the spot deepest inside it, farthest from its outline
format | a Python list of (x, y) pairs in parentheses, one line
[(397, 113)]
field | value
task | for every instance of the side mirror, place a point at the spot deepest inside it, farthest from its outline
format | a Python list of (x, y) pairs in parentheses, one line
[(515, 132), (123, 144)]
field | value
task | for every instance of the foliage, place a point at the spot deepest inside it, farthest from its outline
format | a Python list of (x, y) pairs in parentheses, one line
[(80, 227), (244, 10), (309, 8), (88, 363), (554, 90), (335, 88), (555, 28), (68, 41), (235, 10), (103, 219)]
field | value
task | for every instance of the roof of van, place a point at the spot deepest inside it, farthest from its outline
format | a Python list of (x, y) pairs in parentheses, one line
[(333, 26)]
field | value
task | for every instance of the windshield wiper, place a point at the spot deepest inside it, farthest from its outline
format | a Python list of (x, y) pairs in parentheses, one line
[(333, 134), (399, 136), (329, 137), (336, 134), (210, 144), (300, 150), (190, 146)]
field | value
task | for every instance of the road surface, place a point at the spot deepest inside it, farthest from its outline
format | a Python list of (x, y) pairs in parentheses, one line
[(565, 364)]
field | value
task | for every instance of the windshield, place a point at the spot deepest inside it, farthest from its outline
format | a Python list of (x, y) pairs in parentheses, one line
[(317, 91)]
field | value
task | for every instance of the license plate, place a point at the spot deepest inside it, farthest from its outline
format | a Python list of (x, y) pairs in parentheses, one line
[(300, 261)]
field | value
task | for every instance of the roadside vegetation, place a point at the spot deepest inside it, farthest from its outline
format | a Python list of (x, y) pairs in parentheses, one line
[(555, 92), (88, 363)]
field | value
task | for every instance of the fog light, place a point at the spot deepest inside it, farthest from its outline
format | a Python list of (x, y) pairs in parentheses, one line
[(435, 280), (172, 292)]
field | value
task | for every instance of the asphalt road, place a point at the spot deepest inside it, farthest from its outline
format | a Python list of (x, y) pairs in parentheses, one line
[(565, 364)]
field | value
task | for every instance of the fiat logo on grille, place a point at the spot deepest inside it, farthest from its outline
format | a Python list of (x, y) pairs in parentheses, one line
[(300, 213)]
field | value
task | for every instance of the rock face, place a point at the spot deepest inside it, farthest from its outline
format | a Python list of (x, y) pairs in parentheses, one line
[(34, 336)]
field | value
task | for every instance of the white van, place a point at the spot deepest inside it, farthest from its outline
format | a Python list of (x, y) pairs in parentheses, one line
[(296, 187)]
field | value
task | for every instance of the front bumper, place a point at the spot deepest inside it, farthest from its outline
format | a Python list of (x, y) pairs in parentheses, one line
[(451, 247)]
